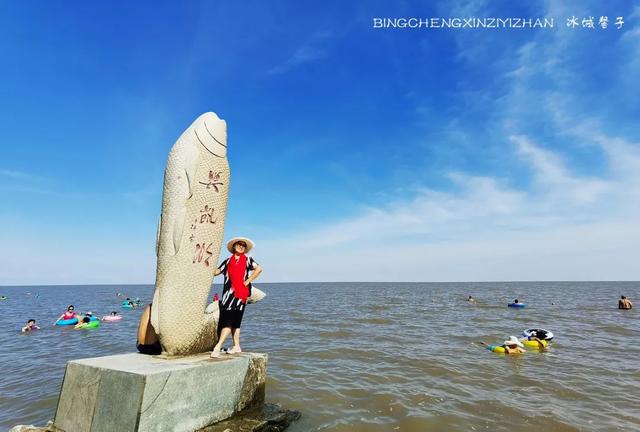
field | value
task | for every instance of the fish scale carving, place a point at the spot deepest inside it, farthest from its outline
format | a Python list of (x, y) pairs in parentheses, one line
[(190, 234)]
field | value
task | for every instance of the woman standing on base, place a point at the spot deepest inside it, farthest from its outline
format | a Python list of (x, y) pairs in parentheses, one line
[(236, 291)]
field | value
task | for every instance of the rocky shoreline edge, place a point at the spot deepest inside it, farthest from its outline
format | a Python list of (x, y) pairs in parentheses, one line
[(266, 418)]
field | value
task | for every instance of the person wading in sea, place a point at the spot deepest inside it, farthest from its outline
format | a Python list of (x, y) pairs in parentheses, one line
[(624, 303)]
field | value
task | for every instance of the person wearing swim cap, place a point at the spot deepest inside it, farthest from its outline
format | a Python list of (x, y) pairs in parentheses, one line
[(239, 271)]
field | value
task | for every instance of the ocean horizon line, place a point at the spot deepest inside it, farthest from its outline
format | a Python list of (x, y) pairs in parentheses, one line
[(336, 282)]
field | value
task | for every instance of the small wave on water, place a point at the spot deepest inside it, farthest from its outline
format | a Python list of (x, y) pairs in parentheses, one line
[(336, 334), (376, 321), (373, 364)]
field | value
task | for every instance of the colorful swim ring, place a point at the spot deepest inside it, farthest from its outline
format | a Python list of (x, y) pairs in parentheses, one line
[(72, 321), (89, 325), (540, 333), (499, 349), (533, 344), (111, 318), (126, 306), (517, 305)]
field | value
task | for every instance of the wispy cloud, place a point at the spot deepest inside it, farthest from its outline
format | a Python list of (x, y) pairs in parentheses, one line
[(553, 177), (15, 181), (21, 176), (304, 54), (581, 223), (309, 52)]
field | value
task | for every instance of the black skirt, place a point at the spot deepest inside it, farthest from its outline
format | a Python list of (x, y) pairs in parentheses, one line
[(230, 318)]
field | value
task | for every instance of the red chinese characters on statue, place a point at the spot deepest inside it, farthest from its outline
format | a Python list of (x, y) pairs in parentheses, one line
[(203, 253), (206, 215), (214, 181)]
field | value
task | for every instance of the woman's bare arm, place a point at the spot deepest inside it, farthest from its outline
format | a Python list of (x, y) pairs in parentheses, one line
[(254, 275)]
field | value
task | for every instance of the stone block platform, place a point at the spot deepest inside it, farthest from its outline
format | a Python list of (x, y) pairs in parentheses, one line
[(135, 392)]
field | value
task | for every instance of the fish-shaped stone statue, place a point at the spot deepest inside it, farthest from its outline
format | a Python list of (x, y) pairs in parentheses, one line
[(190, 233)]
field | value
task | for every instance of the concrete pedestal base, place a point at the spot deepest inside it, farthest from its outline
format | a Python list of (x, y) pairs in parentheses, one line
[(135, 392)]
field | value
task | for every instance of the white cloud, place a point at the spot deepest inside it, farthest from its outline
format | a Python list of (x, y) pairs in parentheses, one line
[(306, 53), (579, 229), (552, 175), (22, 176)]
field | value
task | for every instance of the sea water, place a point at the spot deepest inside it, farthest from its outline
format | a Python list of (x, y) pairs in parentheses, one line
[(376, 356)]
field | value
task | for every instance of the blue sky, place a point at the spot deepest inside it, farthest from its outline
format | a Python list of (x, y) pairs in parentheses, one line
[(356, 153)]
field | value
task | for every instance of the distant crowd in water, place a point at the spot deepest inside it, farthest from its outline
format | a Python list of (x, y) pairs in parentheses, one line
[(533, 338), (623, 303)]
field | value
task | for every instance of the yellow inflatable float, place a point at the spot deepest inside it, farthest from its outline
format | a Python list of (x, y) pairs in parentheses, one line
[(515, 346), (534, 344)]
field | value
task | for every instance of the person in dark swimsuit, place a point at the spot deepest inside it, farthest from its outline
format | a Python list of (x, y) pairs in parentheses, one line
[(147, 342)]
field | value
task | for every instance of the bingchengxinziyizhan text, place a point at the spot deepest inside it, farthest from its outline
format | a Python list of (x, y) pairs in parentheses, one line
[(572, 22)]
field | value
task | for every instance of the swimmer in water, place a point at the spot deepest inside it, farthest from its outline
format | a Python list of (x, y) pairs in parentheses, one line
[(471, 299), (86, 320), (31, 325), (511, 346), (69, 314), (541, 344), (624, 303)]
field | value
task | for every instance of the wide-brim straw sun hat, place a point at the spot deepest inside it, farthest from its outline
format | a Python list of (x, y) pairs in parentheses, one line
[(513, 341), (230, 243)]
